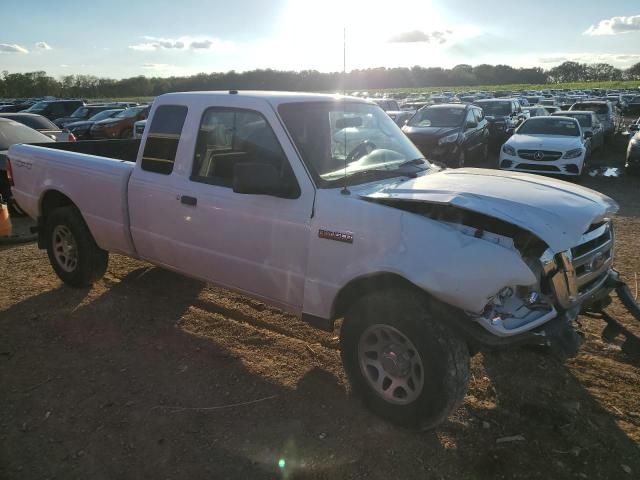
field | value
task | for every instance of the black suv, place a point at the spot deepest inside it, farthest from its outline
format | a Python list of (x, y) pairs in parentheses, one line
[(54, 109), (503, 115), (450, 133)]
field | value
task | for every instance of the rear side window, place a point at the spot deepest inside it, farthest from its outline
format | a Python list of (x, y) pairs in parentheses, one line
[(162, 141)]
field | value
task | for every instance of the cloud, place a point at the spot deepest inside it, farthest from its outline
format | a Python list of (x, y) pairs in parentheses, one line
[(43, 46), (182, 43), (418, 36), (614, 26), (9, 48)]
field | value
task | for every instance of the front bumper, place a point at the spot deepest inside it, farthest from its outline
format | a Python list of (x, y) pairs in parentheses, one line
[(568, 167), (445, 153)]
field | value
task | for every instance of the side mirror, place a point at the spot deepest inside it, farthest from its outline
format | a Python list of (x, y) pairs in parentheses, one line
[(471, 125), (256, 178), (588, 134)]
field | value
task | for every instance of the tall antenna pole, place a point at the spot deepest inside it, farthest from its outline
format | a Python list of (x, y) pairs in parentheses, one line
[(345, 190)]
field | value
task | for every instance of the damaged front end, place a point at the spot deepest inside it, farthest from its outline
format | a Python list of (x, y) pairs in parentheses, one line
[(542, 313)]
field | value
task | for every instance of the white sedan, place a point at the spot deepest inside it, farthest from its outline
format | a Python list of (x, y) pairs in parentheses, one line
[(554, 145)]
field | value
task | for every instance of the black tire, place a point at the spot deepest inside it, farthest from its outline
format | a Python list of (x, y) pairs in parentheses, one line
[(460, 159), (485, 154), (91, 261), (444, 357)]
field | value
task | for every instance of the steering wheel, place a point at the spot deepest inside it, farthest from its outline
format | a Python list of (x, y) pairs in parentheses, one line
[(363, 148)]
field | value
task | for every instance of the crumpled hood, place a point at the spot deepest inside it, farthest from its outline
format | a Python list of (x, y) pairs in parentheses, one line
[(557, 212)]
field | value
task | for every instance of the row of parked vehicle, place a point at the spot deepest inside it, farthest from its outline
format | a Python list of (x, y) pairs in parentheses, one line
[(71, 119), (529, 138)]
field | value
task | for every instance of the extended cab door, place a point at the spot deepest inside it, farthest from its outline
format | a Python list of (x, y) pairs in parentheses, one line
[(191, 220)]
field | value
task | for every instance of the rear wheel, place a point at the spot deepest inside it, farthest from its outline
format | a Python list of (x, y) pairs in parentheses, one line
[(460, 159), (405, 365), (72, 250)]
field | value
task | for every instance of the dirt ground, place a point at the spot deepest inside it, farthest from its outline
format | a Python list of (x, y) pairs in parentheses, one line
[(153, 375)]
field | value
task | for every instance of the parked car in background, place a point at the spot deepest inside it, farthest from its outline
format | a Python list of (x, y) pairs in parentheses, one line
[(605, 112), (17, 106), (553, 145), (138, 128), (82, 113), (589, 122), (632, 160), (453, 134), (387, 104), (535, 111), (54, 109), (12, 132), (633, 106), (120, 125), (551, 109), (82, 129), (41, 124), (503, 115)]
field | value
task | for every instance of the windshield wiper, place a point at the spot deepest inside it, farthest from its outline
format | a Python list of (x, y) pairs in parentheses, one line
[(377, 173), (415, 161)]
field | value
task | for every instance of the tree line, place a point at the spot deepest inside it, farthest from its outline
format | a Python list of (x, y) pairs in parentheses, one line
[(37, 84)]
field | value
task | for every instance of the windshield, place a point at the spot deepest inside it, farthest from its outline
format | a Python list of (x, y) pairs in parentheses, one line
[(599, 108), (549, 126), (438, 117), (105, 114), (13, 132), (130, 112), (37, 107), (583, 119), (330, 134), (495, 109), (82, 112)]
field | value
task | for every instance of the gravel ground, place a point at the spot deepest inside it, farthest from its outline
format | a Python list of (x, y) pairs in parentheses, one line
[(152, 375)]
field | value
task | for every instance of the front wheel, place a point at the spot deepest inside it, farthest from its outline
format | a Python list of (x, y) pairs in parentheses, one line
[(406, 366), (72, 250)]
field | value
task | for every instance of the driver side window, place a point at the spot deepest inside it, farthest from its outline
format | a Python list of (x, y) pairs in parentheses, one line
[(231, 136)]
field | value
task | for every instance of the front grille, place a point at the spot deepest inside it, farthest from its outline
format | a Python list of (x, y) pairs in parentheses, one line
[(592, 257), (539, 155), (538, 168), (582, 270)]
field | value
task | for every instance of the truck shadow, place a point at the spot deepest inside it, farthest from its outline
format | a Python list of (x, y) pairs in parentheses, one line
[(154, 378)]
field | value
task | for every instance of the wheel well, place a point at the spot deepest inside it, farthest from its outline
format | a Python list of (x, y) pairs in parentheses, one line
[(52, 200), (362, 285)]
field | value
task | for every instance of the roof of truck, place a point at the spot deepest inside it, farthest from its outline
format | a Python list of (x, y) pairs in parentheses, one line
[(272, 97)]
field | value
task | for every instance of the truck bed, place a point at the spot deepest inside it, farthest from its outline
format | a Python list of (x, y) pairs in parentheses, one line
[(93, 175), (126, 150)]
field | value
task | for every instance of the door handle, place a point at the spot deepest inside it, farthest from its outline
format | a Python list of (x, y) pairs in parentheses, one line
[(187, 200)]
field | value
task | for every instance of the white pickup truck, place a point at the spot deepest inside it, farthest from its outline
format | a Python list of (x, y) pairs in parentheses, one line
[(320, 205)]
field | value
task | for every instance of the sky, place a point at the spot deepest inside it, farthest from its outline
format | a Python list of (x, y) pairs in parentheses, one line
[(117, 39)]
